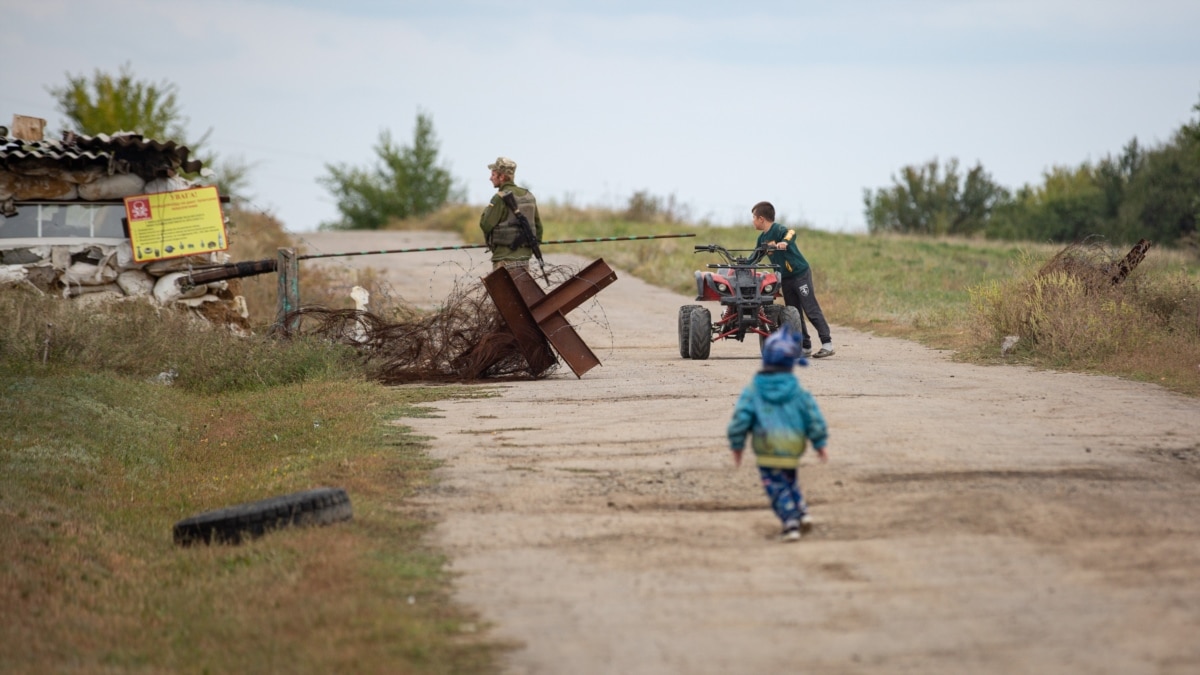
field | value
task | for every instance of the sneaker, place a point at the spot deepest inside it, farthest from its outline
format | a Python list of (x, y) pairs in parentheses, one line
[(806, 352), (825, 351), (806, 523), (792, 534)]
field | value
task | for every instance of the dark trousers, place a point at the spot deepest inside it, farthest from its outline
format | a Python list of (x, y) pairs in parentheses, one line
[(798, 292)]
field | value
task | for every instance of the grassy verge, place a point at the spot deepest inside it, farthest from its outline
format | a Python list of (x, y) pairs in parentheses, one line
[(98, 460), (96, 468)]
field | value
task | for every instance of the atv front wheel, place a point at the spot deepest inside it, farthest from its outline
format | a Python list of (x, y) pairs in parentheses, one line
[(685, 330), (773, 313), (699, 333)]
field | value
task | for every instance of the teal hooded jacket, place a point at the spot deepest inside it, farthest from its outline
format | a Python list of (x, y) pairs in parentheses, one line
[(781, 416)]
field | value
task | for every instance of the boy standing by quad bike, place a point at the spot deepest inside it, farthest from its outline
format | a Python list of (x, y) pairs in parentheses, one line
[(796, 276), (782, 418)]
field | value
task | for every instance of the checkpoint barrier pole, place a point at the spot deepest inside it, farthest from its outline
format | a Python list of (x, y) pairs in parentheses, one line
[(286, 264), (632, 237)]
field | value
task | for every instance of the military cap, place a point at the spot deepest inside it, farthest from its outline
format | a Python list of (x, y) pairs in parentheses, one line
[(503, 165)]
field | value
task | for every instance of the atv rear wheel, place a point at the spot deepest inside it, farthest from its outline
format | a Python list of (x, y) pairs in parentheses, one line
[(699, 333), (790, 317), (685, 330)]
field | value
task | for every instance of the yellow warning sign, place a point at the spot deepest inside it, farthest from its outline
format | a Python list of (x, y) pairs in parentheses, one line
[(175, 224)]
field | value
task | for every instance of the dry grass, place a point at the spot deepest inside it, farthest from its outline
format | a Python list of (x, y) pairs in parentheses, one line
[(1068, 313), (43, 336)]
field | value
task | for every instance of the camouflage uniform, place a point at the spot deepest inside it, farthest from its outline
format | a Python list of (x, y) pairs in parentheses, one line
[(499, 226)]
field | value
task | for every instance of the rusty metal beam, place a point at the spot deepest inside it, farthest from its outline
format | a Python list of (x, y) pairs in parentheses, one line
[(530, 341), (527, 309)]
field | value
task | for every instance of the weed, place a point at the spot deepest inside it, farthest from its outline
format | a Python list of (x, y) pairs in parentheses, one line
[(1068, 313)]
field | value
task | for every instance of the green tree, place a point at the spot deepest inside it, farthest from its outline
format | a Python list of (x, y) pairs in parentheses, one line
[(1069, 206), (405, 182), (1163, 199), (929, 200), (1141, 193), (107, 104)]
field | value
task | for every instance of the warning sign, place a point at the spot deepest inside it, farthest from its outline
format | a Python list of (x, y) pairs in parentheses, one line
[(175, 224)]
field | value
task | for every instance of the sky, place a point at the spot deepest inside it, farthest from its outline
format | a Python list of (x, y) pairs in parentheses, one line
[(716, 106)]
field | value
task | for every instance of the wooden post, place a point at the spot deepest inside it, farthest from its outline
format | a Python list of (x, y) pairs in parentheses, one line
[(288, 271)]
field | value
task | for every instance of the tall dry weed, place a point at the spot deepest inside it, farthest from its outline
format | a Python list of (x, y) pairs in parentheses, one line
[(1070, 310), (135, 338)]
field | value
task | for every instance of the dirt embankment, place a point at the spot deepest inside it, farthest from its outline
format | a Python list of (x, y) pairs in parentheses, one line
[(971, 519)]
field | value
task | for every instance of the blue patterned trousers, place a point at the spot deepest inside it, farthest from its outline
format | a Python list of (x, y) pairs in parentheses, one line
[(784, 492)]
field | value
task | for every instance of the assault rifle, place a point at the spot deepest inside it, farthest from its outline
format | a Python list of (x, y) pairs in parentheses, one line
[(528, 236)]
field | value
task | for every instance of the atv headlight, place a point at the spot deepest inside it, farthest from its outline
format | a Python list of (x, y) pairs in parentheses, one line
[(722, 287), (768, 289)]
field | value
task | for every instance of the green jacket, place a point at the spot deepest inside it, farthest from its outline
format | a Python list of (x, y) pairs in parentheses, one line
[(790, 260), (500, 227)]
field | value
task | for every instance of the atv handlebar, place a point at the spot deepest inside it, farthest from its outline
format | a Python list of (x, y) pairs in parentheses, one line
[(756, 254)]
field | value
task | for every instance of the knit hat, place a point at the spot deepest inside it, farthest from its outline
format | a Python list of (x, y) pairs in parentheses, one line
[(782, 350)]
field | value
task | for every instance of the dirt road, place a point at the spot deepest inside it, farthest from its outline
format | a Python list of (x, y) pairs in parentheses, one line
[(971, 519)]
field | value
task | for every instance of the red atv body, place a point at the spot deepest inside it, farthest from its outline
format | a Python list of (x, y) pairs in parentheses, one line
[(746, 290)]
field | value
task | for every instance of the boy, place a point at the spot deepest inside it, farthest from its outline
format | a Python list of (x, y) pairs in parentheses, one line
[(797, 283), (783, 417)]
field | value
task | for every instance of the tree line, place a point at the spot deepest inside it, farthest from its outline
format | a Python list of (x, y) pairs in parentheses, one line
[(1151, 193)]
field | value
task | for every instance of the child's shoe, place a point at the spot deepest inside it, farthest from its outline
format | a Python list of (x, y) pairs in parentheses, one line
[(806, 523), (789, 535)]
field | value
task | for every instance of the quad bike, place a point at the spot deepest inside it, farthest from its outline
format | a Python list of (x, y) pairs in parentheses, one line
[(746, 289)]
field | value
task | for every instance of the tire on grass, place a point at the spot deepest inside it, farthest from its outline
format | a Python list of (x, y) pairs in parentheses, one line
[(699, 333), (685, 326), (235, 524)]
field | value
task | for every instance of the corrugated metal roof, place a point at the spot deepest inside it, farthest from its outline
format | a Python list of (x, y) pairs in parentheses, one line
[(133, 150)]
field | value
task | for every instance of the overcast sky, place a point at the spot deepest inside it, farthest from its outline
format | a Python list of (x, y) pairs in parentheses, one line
[(718, 104)]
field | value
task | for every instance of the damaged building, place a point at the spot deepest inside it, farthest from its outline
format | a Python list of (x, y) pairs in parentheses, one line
[(63, 224)]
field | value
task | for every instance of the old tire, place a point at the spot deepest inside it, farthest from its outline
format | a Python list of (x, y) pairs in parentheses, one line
[(234, 524), (699, 333), (773, 313), (685, 330)]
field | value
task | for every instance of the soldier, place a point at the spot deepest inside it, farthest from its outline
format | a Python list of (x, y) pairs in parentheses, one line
[(500, 229)]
